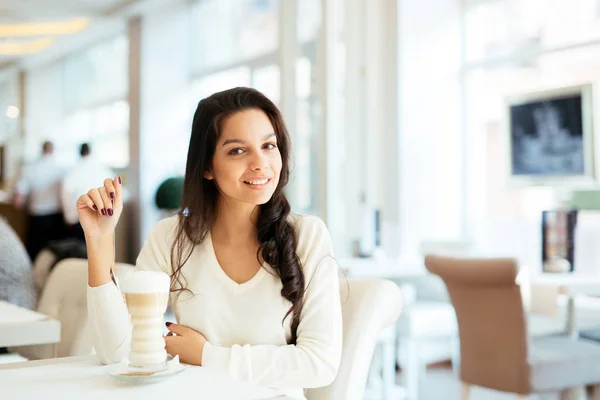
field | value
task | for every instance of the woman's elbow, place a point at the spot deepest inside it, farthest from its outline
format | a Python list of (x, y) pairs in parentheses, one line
[(329, 375), (324, 376)]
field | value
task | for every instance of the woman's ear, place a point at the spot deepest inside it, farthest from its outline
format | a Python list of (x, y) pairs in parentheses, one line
[(208, 175)]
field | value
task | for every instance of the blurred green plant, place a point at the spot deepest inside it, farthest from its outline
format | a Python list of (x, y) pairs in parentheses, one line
[(585, 200), (169, 195)]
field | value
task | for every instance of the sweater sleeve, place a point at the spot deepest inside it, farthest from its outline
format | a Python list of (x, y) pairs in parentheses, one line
[(314, 360), (107, 311)]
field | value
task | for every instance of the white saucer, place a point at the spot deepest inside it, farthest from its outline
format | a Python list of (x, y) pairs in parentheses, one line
[(122, 372)]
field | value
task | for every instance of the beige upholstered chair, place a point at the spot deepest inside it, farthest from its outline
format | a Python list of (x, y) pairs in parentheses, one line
[(64, 298), (368, 307), (495, 350)]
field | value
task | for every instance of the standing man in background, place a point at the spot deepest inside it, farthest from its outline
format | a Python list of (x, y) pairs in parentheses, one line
[(87, 170), (39, 186)]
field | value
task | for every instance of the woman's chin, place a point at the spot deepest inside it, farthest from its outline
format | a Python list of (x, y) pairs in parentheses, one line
[(263, 199), (260, 198), (255, 200)]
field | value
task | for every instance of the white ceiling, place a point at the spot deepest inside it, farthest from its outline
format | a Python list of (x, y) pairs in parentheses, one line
[(19, 11), (14, 11)]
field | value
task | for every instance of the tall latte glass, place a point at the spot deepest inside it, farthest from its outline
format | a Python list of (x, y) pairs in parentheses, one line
[(147, 296)]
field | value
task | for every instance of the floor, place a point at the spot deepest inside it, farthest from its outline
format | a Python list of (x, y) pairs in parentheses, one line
[(442, 384)]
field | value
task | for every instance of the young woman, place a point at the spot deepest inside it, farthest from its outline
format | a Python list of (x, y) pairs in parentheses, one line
[(254, 288)]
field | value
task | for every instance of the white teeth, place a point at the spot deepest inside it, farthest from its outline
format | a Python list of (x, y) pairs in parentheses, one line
[(258, 182)]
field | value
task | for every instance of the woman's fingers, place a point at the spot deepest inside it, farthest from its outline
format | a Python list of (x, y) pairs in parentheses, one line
[(110, 189), (114, 189), (118, 183), (95, 196), (106, 198), (108, 206), (84, 201)]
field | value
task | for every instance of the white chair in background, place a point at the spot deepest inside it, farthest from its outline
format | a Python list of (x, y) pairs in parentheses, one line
[(424, 325), (369, 306), (428, 321)]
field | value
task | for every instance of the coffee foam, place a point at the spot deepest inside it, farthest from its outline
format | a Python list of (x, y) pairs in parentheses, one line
[(145, 282)]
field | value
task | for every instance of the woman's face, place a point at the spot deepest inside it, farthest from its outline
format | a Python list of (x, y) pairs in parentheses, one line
[(247, 164)]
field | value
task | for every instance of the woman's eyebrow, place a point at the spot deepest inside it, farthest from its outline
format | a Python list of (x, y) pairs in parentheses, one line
[(240, 141)]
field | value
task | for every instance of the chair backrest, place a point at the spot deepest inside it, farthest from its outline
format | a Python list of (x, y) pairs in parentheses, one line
[(368, 307), (64, 298), (491, 320)]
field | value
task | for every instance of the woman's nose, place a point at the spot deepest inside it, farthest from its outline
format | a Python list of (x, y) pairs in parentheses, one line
[(259, 162)]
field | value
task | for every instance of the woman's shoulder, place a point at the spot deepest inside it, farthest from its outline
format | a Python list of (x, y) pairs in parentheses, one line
[(165, 228), (313, 241), (167, 223), (308, 227)]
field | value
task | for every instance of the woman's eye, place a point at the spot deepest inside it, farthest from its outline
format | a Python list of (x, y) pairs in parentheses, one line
[(235, 152), (270, 146)]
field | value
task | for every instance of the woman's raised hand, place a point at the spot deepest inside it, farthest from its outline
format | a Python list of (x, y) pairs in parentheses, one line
[(100, 208)]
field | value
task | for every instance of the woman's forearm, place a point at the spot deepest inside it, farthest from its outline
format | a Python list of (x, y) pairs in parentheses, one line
[(100, 252)]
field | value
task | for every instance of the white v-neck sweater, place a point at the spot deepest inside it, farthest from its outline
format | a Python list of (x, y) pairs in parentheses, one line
[(242, 323)]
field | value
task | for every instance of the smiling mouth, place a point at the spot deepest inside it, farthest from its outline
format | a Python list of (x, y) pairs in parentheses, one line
[(258, 182)]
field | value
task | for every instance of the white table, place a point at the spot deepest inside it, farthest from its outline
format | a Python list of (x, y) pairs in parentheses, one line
[(22, 327), (571, 285), (384, 268), (85, 378)]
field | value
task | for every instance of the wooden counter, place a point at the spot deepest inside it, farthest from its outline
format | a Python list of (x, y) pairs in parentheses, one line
[(17, 219)]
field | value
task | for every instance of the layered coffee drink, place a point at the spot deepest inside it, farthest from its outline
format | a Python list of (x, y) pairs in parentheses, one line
[(147, 295)]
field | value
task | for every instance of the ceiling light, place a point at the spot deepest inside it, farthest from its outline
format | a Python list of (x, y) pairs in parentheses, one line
[(44, 28), (12, 112), (24, 47)]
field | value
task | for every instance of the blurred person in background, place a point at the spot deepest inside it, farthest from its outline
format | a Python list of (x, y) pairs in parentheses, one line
[(39, 188), (16, 279), (88, 170)]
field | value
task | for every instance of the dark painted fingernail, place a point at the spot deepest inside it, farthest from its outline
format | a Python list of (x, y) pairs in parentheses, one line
[(119, 180), (94, 207), (168, 324), (110, 211), (112, 195), (103, 211)]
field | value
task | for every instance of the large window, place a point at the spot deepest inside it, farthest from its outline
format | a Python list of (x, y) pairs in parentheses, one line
[(229, 31), (106, 127), (515, 48), (10, 118), (507, 28), (306, 129), (9, 111), (215, 82), (81, 98), (236, 43), (267, 80), (97, 75), (95, 106)]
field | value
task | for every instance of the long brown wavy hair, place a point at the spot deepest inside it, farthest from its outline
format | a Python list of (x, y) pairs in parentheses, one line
[(276, 236)]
